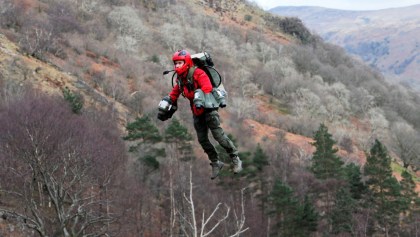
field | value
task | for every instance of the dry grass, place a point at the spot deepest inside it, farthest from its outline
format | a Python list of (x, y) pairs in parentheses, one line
[(46, 77)]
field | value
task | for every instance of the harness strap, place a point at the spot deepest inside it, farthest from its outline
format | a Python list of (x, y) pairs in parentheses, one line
[(190, 80), (190, 74)]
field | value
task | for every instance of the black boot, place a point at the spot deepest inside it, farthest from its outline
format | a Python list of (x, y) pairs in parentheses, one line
[(216, 167)]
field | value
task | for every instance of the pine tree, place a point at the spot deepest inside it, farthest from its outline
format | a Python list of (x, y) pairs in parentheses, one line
[(176, 132), (179, 149), (256, 168), (408, 190), (325, 163), (306, 219), (283, 207), (342, 214), (292, 218), (146, 135), (144, 130), (384, 189), (410, 204), (256, 175), (354, 180), (178, 135), (256, 165), (260, 158), (75, 100)]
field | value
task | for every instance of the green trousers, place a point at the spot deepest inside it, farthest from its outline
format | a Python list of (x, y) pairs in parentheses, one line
[(210, 120)]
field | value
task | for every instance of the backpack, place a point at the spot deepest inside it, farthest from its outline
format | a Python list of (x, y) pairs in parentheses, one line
[(204, 62)]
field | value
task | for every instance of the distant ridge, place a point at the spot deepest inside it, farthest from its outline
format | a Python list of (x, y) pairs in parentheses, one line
[(388, 39)]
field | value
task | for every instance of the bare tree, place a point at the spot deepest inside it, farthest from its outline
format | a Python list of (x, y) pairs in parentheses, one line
[(337, 102), (406, 140), (266, 52), (12, 14), (379, 126), (243, 108), (129, 26), (37, 41), (308, 104), (57, 168), (362, 101), (193, 229)]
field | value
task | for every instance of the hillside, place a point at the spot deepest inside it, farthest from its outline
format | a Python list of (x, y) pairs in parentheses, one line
[(19, 70), (117, 170), (386, 39)]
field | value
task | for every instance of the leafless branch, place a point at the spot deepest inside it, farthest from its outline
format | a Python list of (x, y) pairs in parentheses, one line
[(241, 222), (49, 154), (210, 217)]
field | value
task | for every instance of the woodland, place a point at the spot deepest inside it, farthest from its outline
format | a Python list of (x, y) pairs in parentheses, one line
[(88, 157)]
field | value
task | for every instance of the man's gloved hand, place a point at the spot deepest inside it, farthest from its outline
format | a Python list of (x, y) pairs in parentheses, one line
[(166, 109), (162, 116), (197, 111), (172, 111)]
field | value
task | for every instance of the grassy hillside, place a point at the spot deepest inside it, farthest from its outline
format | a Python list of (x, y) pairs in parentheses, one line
[(282, 83)]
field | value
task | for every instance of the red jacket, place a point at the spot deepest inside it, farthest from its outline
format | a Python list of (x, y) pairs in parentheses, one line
[(200, 80)]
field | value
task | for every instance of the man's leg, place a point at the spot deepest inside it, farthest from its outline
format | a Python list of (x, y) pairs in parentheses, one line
[(203, 138), (213, 122)]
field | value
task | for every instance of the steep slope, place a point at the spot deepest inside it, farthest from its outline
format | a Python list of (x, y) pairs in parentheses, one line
[(236, 17), (19, 70), (386, 39), (280, 89), (22, 70)]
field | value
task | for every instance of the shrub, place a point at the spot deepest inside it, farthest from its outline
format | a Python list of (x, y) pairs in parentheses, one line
[(38, 39), (290, 25), (75, 100), (12, 15), (248, 17), (63, 18)]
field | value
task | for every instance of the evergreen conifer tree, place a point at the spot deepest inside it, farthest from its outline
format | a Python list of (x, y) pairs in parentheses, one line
[(408, 190), (176, 132), (260, 158), (292, 218), (178, 135), (384, 189), (354, 180), (410, 205), (342, 215), (256, 174), (144, 130), (306, 219), (179, 148), (256, 165), (146, 135), (325, 163), (284, 208), (75, 100)]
